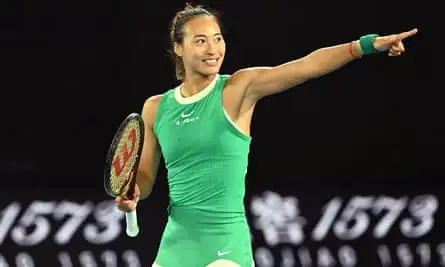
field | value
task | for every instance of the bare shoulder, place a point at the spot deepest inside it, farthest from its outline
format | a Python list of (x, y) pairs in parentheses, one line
[(153, 100), (150, 108), (243, 77), (240, 77)]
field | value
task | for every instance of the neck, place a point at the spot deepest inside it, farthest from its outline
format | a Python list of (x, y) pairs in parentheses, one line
[(195, 84)]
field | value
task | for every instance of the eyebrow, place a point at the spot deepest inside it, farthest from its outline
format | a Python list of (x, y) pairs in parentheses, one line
[(203, 35)]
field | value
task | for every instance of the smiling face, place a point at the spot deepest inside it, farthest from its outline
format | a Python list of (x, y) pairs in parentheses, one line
[(203, 48)]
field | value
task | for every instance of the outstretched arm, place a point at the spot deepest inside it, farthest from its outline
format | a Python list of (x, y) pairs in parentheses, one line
[(264, 81)]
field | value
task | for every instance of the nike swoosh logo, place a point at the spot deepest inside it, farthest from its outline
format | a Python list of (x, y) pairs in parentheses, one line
[(186, 115), (223, 253)]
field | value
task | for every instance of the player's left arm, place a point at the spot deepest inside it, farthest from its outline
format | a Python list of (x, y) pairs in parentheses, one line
[(264, 81)]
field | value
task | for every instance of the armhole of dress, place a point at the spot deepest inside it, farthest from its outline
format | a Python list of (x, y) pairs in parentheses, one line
[(159, 112), (232, 125)]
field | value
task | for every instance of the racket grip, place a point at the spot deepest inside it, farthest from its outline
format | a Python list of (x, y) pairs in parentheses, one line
[(132, 223)]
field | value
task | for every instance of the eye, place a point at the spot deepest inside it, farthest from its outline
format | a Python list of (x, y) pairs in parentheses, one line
[(219, 39), (200, 41)]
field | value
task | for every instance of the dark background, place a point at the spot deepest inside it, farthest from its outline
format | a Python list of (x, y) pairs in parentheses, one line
[(72, 70), (75, 69)]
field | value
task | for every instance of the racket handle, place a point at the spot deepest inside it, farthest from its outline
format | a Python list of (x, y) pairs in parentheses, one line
[(132, 223)]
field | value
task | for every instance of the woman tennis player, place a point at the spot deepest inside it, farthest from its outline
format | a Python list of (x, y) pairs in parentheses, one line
[(202, 128)]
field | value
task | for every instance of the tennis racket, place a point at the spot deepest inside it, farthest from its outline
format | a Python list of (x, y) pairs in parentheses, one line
[(122, 164)]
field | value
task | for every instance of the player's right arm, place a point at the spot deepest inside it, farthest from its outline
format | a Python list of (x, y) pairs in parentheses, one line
[(151, 152), (149, 162)]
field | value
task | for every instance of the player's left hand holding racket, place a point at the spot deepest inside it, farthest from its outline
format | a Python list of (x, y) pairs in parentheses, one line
[(121, 167)]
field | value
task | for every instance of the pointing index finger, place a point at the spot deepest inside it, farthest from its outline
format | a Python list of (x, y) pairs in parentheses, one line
[(407, 34)]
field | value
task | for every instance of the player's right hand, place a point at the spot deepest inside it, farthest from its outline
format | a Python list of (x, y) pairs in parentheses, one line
[(126, 203)]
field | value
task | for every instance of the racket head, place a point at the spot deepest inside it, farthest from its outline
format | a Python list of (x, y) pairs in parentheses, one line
[(123, 155)]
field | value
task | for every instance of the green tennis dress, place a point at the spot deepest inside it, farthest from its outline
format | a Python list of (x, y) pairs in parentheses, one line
[(206, 158)]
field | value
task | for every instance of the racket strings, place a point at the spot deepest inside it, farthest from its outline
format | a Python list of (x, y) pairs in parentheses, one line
[(125, 157)]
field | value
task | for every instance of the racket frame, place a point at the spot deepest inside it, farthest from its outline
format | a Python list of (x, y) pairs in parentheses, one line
[(131, 181)]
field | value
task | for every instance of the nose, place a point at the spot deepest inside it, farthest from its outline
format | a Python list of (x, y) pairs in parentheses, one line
[(211, 48)]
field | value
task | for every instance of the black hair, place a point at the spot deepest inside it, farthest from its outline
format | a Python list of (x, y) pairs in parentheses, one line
[(177, 30)]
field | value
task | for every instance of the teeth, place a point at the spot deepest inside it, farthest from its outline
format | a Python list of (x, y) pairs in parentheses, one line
[(210, 60)]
